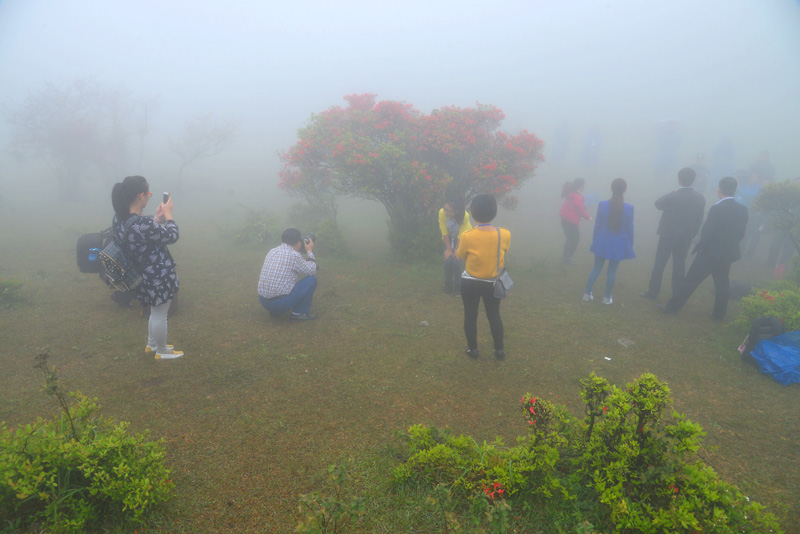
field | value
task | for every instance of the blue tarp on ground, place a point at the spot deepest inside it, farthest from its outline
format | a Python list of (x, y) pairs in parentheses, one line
[(780, 357)]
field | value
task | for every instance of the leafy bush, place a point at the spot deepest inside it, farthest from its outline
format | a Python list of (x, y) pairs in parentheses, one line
[(623, 467), (308, 218), (260, 227), (330, 515), (780, 299), (76, 468), (411, 239)]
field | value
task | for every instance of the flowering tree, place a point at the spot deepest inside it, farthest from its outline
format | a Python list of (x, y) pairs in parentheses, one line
[(390, 152)]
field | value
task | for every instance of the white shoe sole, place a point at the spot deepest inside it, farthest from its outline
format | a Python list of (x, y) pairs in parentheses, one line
[(170, 356)]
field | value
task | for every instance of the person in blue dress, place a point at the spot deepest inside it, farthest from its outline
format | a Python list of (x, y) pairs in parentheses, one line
[(613, 238)]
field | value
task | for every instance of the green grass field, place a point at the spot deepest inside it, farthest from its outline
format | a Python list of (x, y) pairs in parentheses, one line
[(259, 407)]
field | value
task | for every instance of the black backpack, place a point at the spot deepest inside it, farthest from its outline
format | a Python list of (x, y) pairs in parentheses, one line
[(764, 327), (118, 271), (88, 251)]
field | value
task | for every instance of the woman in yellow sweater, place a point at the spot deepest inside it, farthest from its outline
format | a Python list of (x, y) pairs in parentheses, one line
[(478, 247), (453, 221)]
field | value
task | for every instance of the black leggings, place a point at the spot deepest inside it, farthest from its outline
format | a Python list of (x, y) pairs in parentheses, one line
[(471, 293), (573, 237)]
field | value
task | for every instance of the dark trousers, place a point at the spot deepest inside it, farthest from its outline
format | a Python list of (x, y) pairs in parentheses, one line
[(298, 301), (701, 267), (678, 249), (452, 274), (471, 293), (573, 237)]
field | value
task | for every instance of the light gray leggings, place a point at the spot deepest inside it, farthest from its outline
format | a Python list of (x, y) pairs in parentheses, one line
[(157, 327)]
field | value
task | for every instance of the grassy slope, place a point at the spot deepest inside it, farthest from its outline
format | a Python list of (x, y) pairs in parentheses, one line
[(259, 407)]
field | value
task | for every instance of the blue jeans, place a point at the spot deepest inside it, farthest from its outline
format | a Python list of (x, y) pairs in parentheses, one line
[(611, 275), (298, 301)]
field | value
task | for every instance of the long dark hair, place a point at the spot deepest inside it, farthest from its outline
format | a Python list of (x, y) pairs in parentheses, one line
[(573, 186), (617, 204), (125, 192), (457, 204)]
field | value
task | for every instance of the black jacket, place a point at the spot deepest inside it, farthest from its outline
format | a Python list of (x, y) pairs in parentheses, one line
[(683, 214), (723, 230)]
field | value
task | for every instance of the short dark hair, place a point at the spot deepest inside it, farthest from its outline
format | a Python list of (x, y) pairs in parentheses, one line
[(686, 176), (483, 208), (728, 185), (291, 236)]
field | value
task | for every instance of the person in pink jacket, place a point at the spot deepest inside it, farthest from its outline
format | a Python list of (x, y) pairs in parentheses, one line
[(572, 211)]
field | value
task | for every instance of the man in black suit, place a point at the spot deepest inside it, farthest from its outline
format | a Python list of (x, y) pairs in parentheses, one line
[(683, 214), (716, 250)]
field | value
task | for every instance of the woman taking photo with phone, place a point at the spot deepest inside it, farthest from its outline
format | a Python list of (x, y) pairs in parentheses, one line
[(144, 241)]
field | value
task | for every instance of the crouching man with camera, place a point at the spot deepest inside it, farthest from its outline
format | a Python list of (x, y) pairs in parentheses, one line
[(279, 289)]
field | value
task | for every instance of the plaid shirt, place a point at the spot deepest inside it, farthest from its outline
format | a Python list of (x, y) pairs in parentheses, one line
[(281, 268)]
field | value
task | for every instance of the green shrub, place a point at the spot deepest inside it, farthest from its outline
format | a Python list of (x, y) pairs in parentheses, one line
[(76, 468), (414, 238), (309, 218), (260, 227), (322, 514), (623, 467), (781, 300)]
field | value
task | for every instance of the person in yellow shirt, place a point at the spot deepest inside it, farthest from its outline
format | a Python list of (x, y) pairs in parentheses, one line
[(453, 221), (478, 248)]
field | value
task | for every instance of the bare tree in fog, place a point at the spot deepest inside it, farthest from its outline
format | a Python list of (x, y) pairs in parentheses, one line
[(148, 105), (202, 137), (75, 127)]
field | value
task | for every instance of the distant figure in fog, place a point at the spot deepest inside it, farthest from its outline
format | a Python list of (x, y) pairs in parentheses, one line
[(592, 143), (479, 250), (287, 282), (682, 215), (144, 241), (701, 174), (760, 173), (572, 211), (613, 238), (762, 170), (668, 139), (723, 160), (453, 221), (716, 250)]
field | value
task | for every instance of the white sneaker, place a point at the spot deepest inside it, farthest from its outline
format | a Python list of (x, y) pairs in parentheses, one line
[(587, 297), (169, 355), (148, 349), (608, 300)]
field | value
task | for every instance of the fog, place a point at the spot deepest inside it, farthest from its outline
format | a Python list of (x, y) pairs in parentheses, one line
[(715, 67), (687, 72)]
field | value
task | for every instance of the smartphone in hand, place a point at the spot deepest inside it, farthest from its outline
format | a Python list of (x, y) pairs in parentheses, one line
[(165, 197)]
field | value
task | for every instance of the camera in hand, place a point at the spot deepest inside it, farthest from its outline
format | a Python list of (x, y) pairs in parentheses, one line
[(308, 239)]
